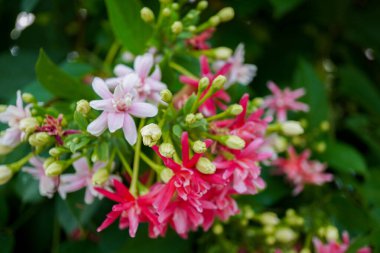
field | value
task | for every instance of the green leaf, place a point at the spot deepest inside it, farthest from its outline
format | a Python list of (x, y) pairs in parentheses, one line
[(189, 104), (344, 158), (127, 24), (6, 241), (80, 120), (103, 151), (281, 7), (316, 95), (26, 188), (58, 82)]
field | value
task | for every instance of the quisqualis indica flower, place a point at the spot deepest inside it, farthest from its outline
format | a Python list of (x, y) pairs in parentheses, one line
[(199, 42), (335, 247), (118, 107), (282, 101), (53, 127)]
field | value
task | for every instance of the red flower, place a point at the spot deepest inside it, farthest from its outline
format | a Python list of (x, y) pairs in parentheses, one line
[(53, 126), (199, 42)]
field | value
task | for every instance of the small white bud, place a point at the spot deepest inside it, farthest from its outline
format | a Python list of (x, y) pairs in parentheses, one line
[(166, 174), (199, 147), (203, 83), (219, 82), (202, 5), (147, 14), (5, 174), (214, 20), (291, 128), (235, 109), (167, 150), (83, 107), (151, 134), (269, 218), (233, 142), (100, 177), (190, 119), (223, 53), (28, 125), (177, 27), (166, 12), (28, 98), (166, 95), (199, 116), (331, 233), (39, 139), (54, 169), (285, 235), (226, 14), (217, 229), (205, 166)]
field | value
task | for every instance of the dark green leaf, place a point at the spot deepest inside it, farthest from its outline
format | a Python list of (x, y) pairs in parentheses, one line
[(282, 7), (80, 120), (188, 105), (27, 188), (6, 241)]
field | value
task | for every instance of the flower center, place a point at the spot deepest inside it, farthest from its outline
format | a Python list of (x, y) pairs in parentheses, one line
[(123, 103)]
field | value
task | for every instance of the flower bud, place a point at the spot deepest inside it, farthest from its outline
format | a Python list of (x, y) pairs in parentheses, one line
[(166, 95), (331, 233), (199, 147), (203, 84), (217, 229), (202, 5), (233, 142), (54, 169), (235, 109), (199, 116), (222, 53), (320, 147), (151, 134), (280, 144), (166, 12), (100, 177), (177, 27), (205, 166), (270, 240), (291, 128), (325, 126), (5, 174), (226, 14), (57, 151), (285, 235), (257, 102), (83, 107), (147, 15), (166, 174), (269, 218), (268, 229), (214, 20), (47, 162), (219, 82), (167, 150), (28, 98), (28, 125), (39, 139), (5, 149), (175, 6), (192, 28), (190, 119)]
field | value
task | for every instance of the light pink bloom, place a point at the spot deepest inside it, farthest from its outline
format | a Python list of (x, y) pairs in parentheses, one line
[(82, 178), (240, 72), (282, 101), (12, 136), (335, 247), (48, 185), (299, 170), (118, 107), (148, 85)]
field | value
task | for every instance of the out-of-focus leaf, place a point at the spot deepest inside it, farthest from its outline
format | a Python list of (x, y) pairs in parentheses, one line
[(28, 5), (344, 158), (282, 7), (27, 189), (58, 82), (316, 96), (4, 211), (6, 242), (127, 24), (79, 247)]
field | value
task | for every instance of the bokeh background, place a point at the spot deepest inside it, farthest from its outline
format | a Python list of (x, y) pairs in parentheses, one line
[(330, 47)]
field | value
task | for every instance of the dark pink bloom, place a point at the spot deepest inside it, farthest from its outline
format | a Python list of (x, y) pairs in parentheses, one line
[(280, 102), (220, 97), (199, 42), (299, 170), (335, 247), (53, 126)]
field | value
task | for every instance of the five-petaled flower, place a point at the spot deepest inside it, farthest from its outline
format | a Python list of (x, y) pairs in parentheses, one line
[(335, 247), (53, 126)]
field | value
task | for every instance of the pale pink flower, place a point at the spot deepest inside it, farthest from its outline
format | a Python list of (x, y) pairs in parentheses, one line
[(282, 101), (118, 107), (148, 85), (335, 247), (82, 178), (12, 136), (47, 185), (299, 170)]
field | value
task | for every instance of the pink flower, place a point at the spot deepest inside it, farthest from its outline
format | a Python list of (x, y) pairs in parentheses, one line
[(12, 136), (130, 209), (335, 247), (53, 126), (199, 42), (240, 72), (208, 108), (148, 86), (282, 101), (118, 107), (82, 178), (48, 185), (299, 170)]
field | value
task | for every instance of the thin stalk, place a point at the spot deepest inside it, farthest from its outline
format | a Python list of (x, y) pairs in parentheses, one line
[(151, 163), (182, 70), (124, 162), (136, 161), (111, 54)]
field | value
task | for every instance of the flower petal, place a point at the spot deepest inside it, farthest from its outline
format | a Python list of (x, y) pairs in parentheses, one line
[(99, 125), (122, 70), (115, 121), (143, 64), (102, 105), (129, 128), (101, 88), (143, 110)]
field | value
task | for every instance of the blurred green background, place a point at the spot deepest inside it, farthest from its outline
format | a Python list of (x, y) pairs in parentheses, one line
[(330, 47)]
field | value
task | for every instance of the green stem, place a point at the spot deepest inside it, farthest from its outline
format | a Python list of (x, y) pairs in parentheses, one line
[(136, 161), (182, 70), (124, 162), (152, 164), (217, 116), (111, 55)]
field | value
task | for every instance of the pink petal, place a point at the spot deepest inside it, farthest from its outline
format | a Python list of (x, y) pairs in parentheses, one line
[(205, 68), (143, 64), (81, 166), (274, 88), (156, 75), (133, 222), (111, 217), (99, 125), (188, 80), (102, 105), (115, 121), (101, 88), (122, 70), (143, 110), (129, 128), (19, 103)]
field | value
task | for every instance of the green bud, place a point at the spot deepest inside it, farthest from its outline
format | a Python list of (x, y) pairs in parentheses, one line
[(57, 151), (167, 150), (291, 128), (226, 14), (257, 102), (285, 235), (177, 27), (190, 119), (28, 98), (147, 15), (39, 139), (166, 95), (269, 219), (199, 116), (320, 147), (83, 107), (55, 168), (222, 53), (219, 82), (28, 125), (233, 142), (48, 161), (151, 134), (199, 147), (270, 240), (202, 5), (192, 28), (5, 174), (166, 174), (235, 109), (214, 20), (280, 144), (100, 177), (325, 126), (175, 6), (217, 229), (166, 12), (203, 84), (3, 108), (205, 166), (268, 229)]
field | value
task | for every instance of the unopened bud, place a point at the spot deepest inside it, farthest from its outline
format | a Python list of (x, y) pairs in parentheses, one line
[(177, 27), (269, 219), (28, 98), (5, 174), (151, 134), (167, 150), (199, 116), (57, 151), (47, 162), (100, 177), (203, 84), (285, 235), (192, 28), (166, 95), (205, 166), (166, 174), (226, 14), (83, 107), (222, 53), (235, 109), (3, 108), (39, 139), (175, 6), (28, 125), (199, 147), (55, 169), (270, 240), (202, 5), (280, 144), (257, 102), (214, 20), (331, 233), (268, 229), (291, 128), (147, 14), (219, 82), (166, 12), (325, 126), (233, 142), (190, 119), (320, 147)]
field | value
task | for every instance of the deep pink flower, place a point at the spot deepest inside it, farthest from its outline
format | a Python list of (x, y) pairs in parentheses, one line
[(118, 107), (47, 185), (299, 170), (282, 101), (199, 42), (220, 97), (131, 210), (335, 247), (148, 86), (53, 126)]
